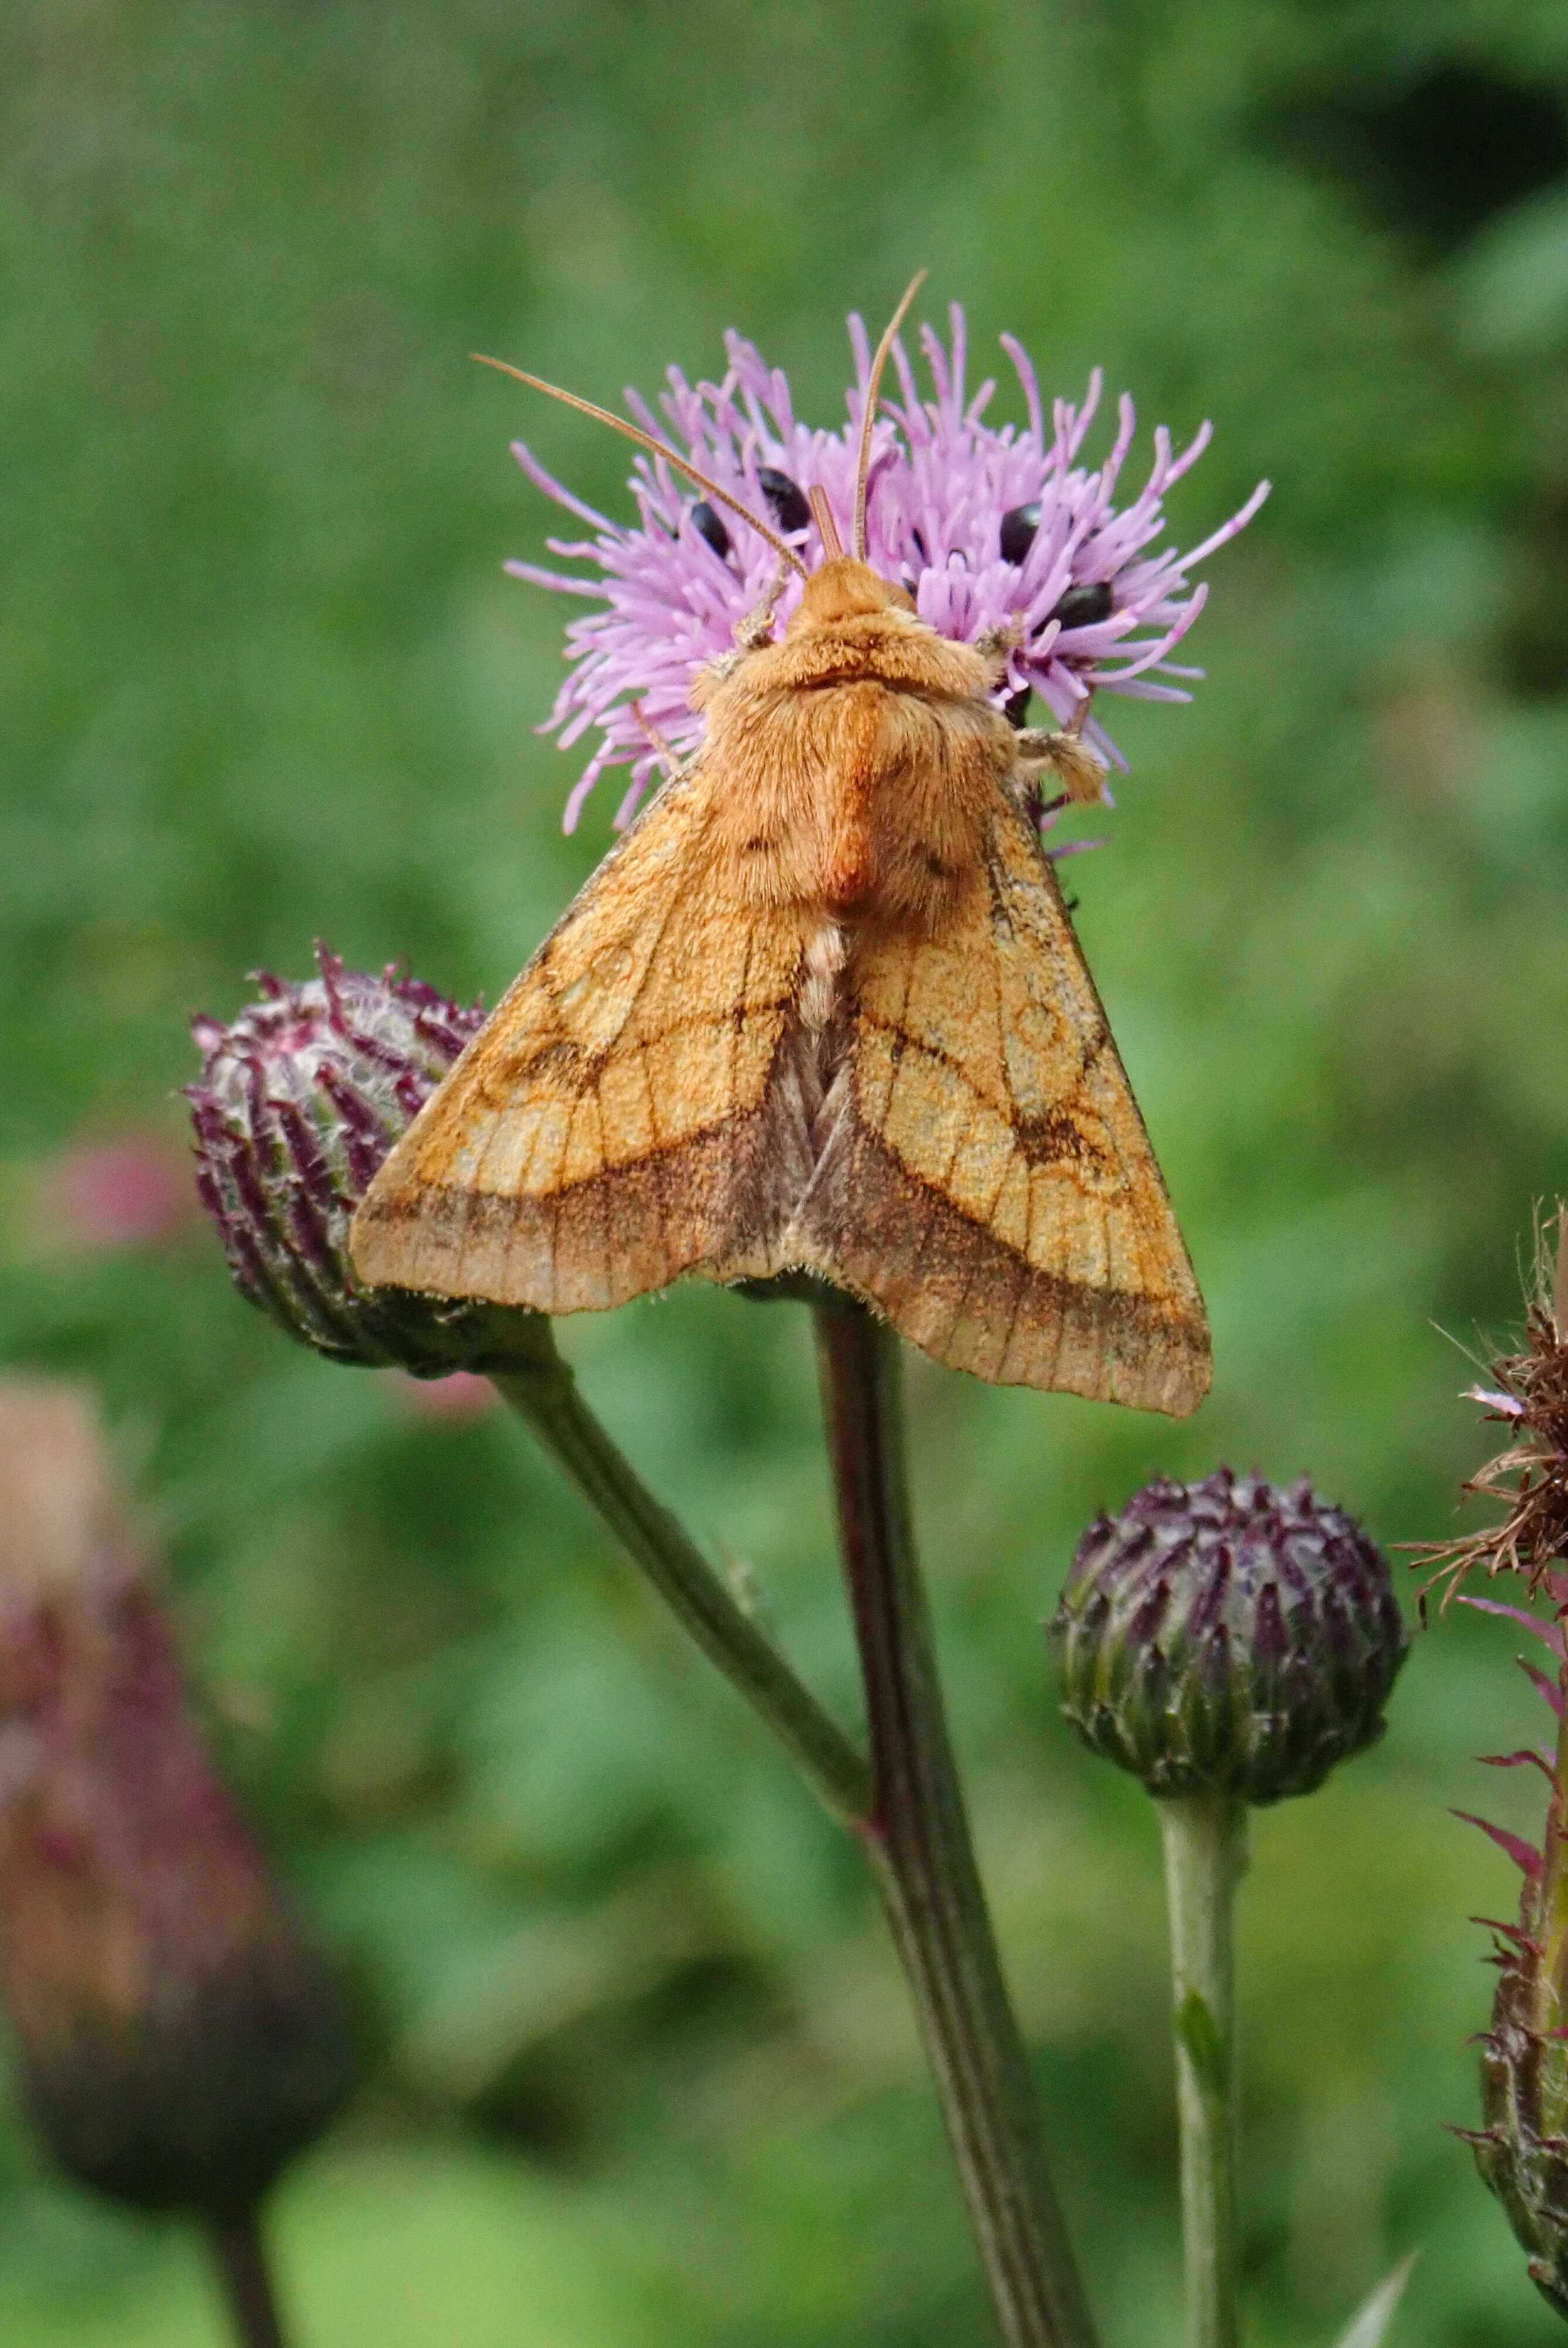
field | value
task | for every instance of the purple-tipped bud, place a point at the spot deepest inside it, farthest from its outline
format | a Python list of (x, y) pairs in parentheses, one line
[(298, 1103), (179, 2038), (1228, 1638)]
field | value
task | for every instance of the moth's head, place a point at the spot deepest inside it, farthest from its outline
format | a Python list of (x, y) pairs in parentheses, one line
[(844, 588)]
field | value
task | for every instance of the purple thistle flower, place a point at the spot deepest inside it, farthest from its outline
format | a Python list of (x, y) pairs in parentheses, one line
[(988, 527), (296, 1107)]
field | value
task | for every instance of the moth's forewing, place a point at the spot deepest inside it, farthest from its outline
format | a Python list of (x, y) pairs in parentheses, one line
[(618, 1121), (989, 1183)]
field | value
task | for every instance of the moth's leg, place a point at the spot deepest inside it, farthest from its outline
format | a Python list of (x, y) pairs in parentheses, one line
[(756, 629), (992, 643), (996, 645), (752, 632), (1078, 767), (1031, 801), (670, 758)]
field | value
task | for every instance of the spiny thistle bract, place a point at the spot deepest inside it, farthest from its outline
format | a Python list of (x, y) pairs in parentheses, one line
[(1528, 1395), (297, 1102), (1228, 1637), (1521, 2150)]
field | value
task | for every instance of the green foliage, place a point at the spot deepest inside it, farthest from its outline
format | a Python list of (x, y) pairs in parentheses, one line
[(646, 2069)]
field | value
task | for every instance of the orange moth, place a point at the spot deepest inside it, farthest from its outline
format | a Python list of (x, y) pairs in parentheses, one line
[(822, 1009)]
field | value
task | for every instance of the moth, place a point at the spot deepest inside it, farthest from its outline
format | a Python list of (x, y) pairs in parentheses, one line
[(822, 1009)]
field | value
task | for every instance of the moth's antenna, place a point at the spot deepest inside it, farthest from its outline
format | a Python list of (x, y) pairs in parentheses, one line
[(827, 529), (657, 739), (863, 463), (657, 448)]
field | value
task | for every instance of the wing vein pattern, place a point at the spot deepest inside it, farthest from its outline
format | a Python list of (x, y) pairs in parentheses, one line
[(960, 1147)]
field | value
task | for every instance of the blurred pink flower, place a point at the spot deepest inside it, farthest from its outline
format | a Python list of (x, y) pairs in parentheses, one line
[(130, 1189), (461, 1395)]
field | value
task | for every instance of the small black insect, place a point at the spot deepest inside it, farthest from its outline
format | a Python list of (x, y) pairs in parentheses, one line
[(711, 529), (786, 498), (1081, 607), (1020, 524)]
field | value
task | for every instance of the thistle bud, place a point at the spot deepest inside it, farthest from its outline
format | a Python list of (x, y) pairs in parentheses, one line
[(180, 2039), (297, 1104), (1228, 1638)]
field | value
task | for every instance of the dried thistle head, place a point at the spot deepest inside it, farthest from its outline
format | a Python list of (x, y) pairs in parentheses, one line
[(1529, 1477)]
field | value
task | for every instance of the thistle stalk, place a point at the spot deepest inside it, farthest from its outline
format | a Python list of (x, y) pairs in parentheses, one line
[(242, 2257), (917, 1838), (544, 1391), (1206, 1857)]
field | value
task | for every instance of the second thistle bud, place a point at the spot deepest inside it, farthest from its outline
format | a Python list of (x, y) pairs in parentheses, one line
[(296, 1107), (1228, 1637)]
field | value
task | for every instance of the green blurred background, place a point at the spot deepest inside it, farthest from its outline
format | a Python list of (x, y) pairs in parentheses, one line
[(644, 2073)]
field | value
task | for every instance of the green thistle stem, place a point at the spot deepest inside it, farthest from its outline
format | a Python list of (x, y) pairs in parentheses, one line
[(1205, 1857), (242, 2257), (917, 1838), (544, 1391)]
